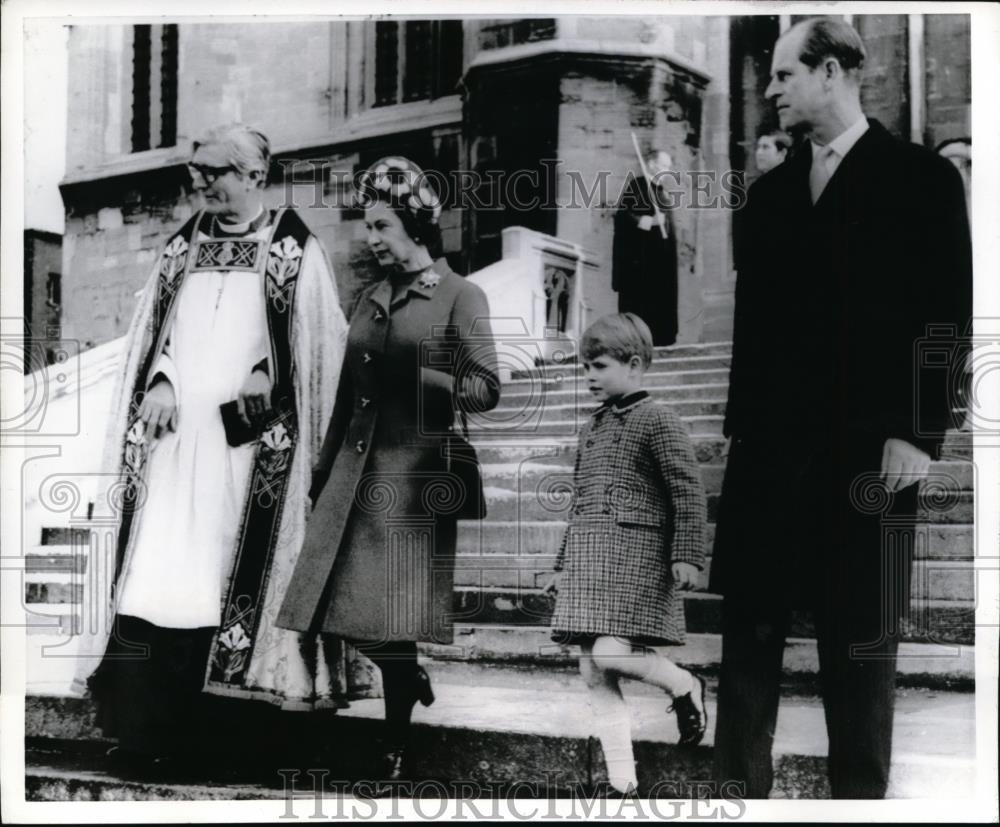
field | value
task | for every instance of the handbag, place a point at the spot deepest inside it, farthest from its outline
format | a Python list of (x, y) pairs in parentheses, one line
[(463, 462)]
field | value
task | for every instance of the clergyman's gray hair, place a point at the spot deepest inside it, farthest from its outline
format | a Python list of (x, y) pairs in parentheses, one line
[(246, 148)]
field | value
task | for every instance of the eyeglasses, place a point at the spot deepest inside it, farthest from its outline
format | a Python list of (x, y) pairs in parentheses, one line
[(206, 173)]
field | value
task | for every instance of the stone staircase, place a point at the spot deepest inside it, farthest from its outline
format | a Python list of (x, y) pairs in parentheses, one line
[(526, 447)]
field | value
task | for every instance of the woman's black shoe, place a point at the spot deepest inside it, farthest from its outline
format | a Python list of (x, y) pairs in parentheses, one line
[(422, 687), (392, 765)]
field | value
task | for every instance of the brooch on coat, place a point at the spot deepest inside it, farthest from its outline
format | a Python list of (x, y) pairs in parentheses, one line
[(429, 279)]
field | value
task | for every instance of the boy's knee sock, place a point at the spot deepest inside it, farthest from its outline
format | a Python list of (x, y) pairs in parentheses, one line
[(613, 728), (644, 664), (664, 673)]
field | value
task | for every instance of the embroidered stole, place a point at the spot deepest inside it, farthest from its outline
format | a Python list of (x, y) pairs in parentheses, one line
[(279, 258)]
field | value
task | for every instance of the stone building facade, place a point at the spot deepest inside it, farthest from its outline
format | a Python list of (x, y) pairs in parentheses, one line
[(545, 105), (42, 297)]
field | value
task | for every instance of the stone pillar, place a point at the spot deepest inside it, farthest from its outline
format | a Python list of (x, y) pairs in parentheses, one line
[(714, 242), (948, 77), (602, 102)]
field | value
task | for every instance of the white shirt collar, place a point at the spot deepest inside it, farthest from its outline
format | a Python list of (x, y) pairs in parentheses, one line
[(243, 227), (845, 141)]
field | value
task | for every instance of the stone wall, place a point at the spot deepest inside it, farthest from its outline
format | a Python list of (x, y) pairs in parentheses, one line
[(602, 103), (42, 257), (691, 84), (885, 90), (948, 77)]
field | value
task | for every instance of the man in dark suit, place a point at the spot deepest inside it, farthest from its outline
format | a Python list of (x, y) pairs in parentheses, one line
[(853, 248)]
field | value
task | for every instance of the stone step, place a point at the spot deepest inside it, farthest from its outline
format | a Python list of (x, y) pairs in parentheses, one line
[(495, 724), (927, 665), (524, 539), (933, 579), (515, 555), (698, 426), (64, 536), (50, 662), (949, 621), (693, 349), (689, 383), (524, 419), (670, 364), (708, 447), (660, 352), (528, 474), (552, 502)]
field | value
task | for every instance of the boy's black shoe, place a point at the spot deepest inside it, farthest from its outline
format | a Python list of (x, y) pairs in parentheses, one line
[(692, 714)]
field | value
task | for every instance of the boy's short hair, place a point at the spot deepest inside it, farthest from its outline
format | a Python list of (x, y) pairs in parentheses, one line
[(620, 336)]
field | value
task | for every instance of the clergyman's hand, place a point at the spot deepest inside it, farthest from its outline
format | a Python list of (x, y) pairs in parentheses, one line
[(158, 410), (254, 399), (903, 464)]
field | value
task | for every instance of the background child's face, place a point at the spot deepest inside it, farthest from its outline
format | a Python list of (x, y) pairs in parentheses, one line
[(608, 378)]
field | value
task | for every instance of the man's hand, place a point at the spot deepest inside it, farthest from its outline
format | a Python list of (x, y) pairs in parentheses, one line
[(903, 464), (685, 575), (254, 399), (159, 409)]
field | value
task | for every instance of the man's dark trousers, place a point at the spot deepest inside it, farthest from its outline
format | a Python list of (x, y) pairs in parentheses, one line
[(833, 301)]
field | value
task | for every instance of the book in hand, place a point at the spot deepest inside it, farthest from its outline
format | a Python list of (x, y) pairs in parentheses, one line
[(237, 431)]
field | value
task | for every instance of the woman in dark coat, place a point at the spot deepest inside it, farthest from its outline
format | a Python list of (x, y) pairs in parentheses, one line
[(377, 564)]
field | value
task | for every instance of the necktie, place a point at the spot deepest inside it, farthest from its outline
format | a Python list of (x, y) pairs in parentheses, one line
[(820, 172)]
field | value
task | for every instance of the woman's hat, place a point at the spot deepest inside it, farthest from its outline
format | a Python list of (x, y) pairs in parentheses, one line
[(401, 183)]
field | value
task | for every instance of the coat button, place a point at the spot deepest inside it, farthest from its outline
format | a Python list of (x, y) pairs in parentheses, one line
[(379, 315), (365, 401), (360, 447), (366, 358)]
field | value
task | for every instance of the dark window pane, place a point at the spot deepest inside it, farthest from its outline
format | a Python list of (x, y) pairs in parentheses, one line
[(386, 62), (512, 32), (168, 86), (140, 88), (419, 64), (449, 56)]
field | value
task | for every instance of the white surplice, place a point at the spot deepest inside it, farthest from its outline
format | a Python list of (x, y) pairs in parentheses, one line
[(187, 528)]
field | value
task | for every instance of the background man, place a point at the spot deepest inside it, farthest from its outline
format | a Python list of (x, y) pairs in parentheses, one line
[(241, 307), (853, 247), (772, 147), (644, 263)]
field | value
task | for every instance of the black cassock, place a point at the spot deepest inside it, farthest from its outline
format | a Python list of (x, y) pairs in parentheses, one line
[(644, 267)]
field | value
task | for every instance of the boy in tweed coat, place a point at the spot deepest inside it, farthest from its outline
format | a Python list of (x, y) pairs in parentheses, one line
[(636, 538)]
